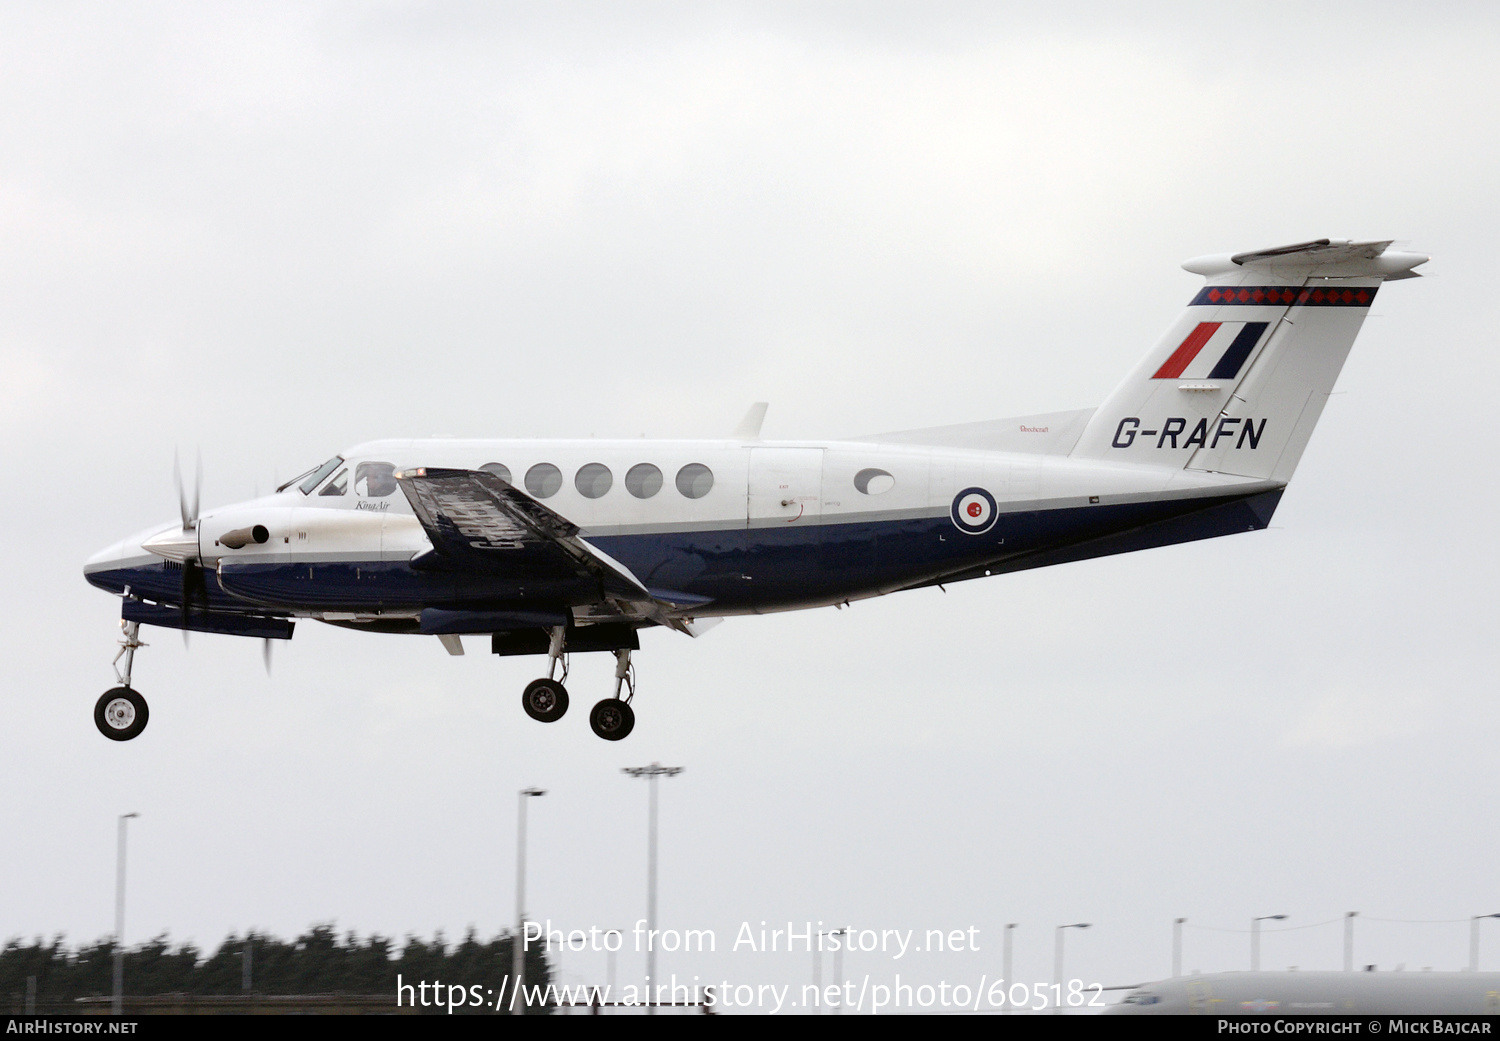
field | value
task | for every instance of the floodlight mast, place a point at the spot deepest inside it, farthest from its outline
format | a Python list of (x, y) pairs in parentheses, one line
[(1006, 964), (838, 964), (1474, 939), (518, 945), (1177, 924), (1349, 917), (1057, 962), (1255, 937), (117, 1005), (838, 978), (651, 773)]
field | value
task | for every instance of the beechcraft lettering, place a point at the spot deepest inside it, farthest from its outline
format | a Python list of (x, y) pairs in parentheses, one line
[(1246, 433), (599, 541)]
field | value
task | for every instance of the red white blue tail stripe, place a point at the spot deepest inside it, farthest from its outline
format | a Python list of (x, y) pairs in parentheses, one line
[(1213, 350)]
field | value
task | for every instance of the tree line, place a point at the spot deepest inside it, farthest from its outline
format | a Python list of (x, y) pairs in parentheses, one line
[(320, 961)]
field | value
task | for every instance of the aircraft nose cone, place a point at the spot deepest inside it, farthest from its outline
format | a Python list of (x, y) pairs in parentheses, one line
[(173, 544), (109, 556)]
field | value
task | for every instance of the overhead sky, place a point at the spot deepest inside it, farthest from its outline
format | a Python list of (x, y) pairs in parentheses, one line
[(267, 232)]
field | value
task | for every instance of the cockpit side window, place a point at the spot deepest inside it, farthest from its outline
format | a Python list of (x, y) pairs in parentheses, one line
[(338, 486), (316, 477), (374, 480)]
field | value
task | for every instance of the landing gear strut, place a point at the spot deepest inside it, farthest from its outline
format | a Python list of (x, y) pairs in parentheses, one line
[(613, 719), (121, 713), (545, 700)]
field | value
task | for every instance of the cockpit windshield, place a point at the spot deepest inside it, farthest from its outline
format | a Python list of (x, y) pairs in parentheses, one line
[(314, 477)]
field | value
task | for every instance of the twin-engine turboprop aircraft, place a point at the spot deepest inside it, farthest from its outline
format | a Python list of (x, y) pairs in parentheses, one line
[(554, 547)]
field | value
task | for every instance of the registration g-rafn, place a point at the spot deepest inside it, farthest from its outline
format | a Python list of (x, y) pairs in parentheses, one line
[(559, 547)]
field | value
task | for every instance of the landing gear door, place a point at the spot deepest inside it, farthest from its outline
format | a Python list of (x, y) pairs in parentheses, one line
[(786, 486)]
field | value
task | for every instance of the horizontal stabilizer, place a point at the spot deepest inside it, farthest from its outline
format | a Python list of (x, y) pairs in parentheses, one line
[(1320, 258)]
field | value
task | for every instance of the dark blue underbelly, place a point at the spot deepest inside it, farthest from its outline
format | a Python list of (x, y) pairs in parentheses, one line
[(756, 569)]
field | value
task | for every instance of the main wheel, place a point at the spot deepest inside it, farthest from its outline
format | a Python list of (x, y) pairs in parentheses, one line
[(612, 719), (545, 700), (120, 714)]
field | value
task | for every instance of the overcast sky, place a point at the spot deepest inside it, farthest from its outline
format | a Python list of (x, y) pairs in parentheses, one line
[(268, 232)]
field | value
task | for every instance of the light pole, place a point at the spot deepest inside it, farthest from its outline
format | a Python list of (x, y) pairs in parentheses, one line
[(518, 944), (1255, 937), (1057, 962), (818, 977), (818, 969), (245, 962), (117, 1006), (1474, 940), (1349, 917), (609, 960), (1006, 964), (1177, 946), (651, 773), (838, 964)]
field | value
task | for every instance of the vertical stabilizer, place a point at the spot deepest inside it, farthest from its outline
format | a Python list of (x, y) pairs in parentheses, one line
[(1239, 381)]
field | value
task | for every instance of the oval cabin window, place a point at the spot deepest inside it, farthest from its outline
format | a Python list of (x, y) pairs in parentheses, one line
[(695, 480), (543, 480), (643, 480), (593, 480)]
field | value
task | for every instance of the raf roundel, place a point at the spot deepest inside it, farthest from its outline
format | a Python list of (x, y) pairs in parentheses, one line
[(974, 511)]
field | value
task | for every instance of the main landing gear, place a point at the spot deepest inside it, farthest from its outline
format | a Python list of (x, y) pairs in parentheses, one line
[(613, 719), (121, 713), (546, 699)]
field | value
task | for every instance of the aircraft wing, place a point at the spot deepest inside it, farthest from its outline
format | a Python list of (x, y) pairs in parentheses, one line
[(479, 521)]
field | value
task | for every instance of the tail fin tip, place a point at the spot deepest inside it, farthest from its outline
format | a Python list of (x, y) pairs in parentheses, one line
[(1319, 258), (1240, 379)]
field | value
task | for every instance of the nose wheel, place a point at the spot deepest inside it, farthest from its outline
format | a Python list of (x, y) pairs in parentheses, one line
[(121, 714)]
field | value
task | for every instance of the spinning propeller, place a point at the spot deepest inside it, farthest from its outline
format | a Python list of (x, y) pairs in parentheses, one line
[(183, 548), (194, 587)]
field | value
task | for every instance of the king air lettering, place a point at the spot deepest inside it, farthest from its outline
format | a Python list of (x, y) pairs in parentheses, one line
[(1174, 433)]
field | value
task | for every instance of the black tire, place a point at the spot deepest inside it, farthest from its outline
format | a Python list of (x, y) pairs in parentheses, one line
[(121, 714), (612, 719), (545, 700)]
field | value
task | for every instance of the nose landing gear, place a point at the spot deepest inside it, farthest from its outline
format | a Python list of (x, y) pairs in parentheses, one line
[(121, 713)]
